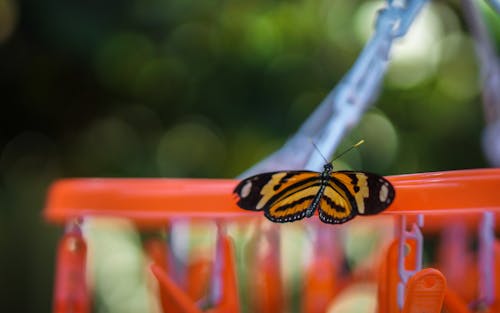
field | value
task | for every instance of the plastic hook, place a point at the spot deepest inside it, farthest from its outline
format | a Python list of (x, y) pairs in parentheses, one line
[(486, 259), (404, 235)]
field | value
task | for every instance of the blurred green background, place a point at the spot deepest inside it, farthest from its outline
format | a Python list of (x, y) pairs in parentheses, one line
[(158, 88)]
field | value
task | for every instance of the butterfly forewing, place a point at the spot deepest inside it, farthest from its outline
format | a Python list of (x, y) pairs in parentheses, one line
[(262, 191), (371, 193)]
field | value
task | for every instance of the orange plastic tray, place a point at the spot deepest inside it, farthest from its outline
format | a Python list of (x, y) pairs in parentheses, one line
[(150, 202)]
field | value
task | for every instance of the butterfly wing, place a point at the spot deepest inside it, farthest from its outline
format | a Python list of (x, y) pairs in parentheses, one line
[(355, 193), (284, 196), (337, 204)]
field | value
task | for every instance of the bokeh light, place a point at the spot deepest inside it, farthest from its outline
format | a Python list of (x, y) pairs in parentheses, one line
[(188, 148), (120, 139), (459, 75), (8, 18), (120, 58), (381, 141), (27, 162), (414, 57)]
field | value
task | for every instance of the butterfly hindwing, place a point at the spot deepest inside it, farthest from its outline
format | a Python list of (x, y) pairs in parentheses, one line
[(294, 206), (337, 206)]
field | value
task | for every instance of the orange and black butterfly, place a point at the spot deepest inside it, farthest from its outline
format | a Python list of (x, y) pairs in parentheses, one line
[(292, 195)]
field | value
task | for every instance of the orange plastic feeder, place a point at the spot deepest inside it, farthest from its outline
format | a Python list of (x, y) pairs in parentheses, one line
[(470, 197)]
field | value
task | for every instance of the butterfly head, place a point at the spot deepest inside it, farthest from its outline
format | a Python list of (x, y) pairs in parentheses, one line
[(328, 167)]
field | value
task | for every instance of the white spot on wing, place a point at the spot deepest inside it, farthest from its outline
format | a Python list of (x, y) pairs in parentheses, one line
[(245, 191), (384, 192)]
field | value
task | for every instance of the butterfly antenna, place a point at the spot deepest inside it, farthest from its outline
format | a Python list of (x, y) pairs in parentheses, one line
[(317, 149), (359, 143)]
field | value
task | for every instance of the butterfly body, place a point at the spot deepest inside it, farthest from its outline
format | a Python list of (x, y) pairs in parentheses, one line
[(325, 175), (293, 195)]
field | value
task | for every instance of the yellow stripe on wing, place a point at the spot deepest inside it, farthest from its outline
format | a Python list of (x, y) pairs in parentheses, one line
[(357, 184), (268, 190), (335, 205), (294, 204), (283, 185)]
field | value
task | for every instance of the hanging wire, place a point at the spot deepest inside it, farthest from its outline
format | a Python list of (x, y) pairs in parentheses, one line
[(490, 79), (344, 106)]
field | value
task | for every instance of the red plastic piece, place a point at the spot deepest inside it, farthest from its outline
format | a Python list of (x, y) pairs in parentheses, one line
[(458, 263), (177, 299), (197, 275), (454, 303), (389, 279), (495, 307), (70, 292), (425, 292), (157, 251), (198, 278), (320, 286), (322, 279), (180, 301), (229, 301), (264, 271)]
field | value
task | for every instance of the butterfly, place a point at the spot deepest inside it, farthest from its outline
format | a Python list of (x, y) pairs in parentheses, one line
[(338, 196)]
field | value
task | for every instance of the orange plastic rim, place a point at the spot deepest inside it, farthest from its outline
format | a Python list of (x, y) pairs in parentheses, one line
[(154, 201)]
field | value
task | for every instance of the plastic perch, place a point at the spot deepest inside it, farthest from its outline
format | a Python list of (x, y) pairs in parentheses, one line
[(152, 202)]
